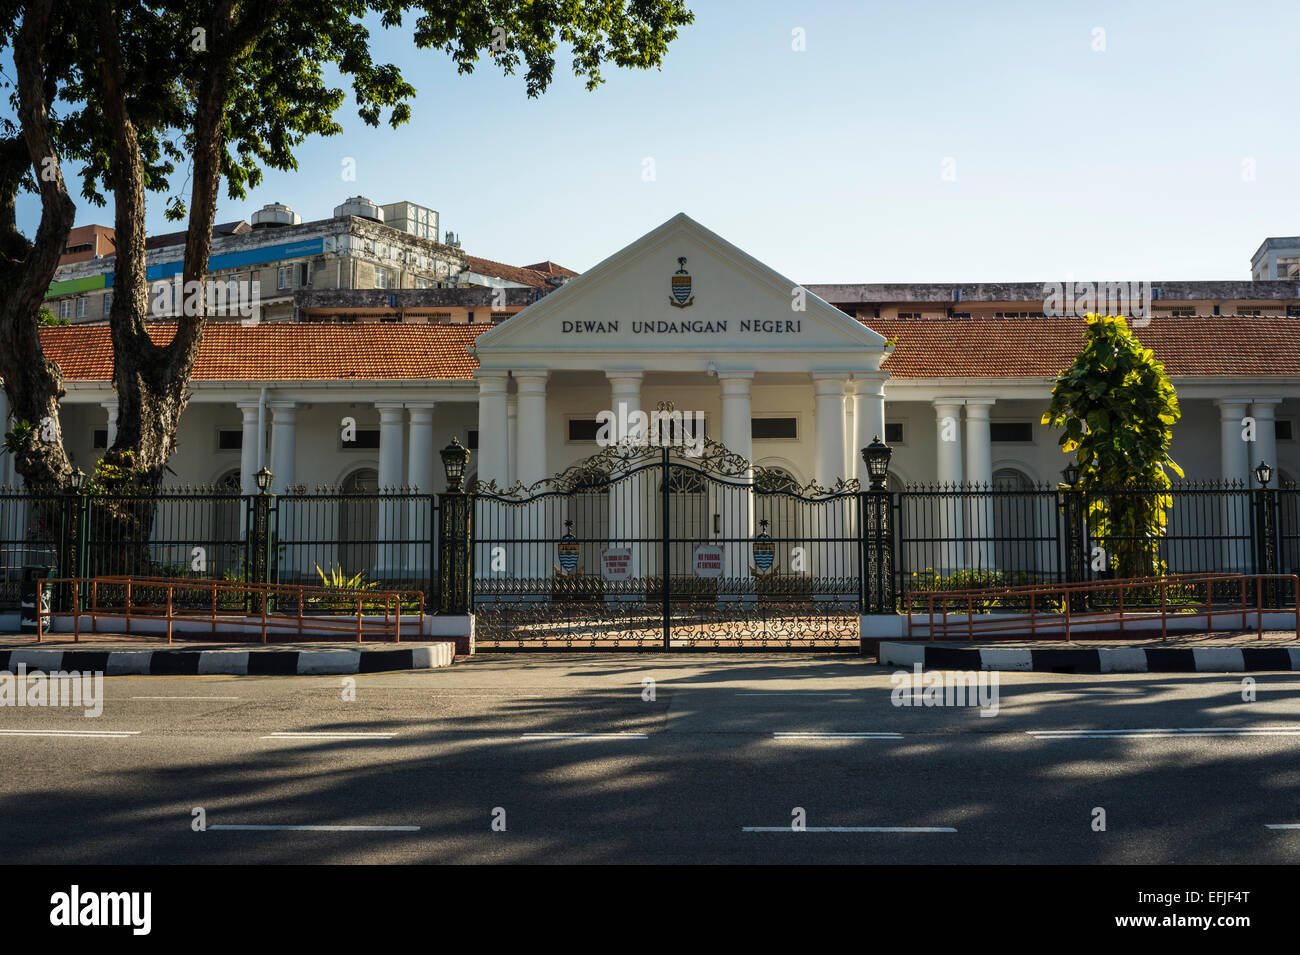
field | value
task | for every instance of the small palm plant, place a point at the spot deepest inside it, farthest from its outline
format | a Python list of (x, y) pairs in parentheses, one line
[(345, 600)]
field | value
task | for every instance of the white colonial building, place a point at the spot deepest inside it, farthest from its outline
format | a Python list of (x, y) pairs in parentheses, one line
[(791, 377)]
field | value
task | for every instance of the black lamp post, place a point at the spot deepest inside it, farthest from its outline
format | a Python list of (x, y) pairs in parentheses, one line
[(454, 458), (78, 480), (1263, 474), (876, 456), (1071, 474), (455, 562), (259, 560)]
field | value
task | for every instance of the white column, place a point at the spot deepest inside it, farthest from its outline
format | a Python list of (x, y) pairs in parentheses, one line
[(737, 503), (420, 479), (868, 422), (628, 498), (512, 441), (1235, 464), (492, 429), (248, 447), (420, 473), (111, 408), (284, 438), (392, 426), (284, 457), (949, 553), (829, 392), (536, 556), (979, 475), (1232, 447), (493, 466), (1265, 447), (530, 464), (833, 556)]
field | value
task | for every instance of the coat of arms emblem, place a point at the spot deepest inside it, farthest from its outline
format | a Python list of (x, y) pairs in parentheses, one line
[(682, 296), (764, 553), (568, 553)]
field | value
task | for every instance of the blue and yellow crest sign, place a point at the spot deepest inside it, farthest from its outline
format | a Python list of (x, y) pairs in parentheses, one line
[(681, 285)]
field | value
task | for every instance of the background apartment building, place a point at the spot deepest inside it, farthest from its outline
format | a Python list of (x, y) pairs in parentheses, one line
[(395, 250)]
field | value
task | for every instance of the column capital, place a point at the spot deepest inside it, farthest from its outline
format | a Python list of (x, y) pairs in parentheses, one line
[(420, 413), (531, 382), (1264, 404), (978, 408), (948, 405), (866, 387), (735, 384), (111, 404), (283, 410), (492, 381), (251, 404), (1231, 401), (828, 384), (616, 374), (737, 374)]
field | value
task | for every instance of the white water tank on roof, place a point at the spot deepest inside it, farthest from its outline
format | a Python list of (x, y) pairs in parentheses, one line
[(275, 214), (361, 207)]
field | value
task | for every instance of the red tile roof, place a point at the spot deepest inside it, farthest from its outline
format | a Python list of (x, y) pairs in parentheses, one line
[(511, 273), (286, 351), (927, 348), (550, 268), (1044, 347)]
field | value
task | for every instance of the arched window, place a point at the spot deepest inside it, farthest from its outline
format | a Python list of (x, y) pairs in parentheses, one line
[(588, 507), (1019, 516), (359, 522), (227, 544), (776, 501)]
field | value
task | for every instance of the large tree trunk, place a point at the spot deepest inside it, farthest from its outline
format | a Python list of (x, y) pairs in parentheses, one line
[(33, 384), (152, 378)]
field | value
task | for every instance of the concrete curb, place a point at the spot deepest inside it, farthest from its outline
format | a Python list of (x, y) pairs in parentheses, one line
[(230, 662), (1092, 659)]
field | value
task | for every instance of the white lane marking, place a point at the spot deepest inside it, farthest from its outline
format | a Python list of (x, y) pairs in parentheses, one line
[(848, 829), (318, 828), (837, 736), (1282, 825), (583, 736), (308, 735), (84, 734), (187, 697), (798, 693), (1170, 732)]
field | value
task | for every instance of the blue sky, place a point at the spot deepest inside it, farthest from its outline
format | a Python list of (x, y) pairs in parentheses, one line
[(828, 164)]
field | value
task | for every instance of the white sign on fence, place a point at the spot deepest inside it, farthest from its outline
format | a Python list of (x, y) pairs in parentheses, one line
[(707, 560), (616, 563)]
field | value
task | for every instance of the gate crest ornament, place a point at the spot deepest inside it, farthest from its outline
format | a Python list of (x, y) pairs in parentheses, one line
[(681, 283), (568, 549), (764, 553)]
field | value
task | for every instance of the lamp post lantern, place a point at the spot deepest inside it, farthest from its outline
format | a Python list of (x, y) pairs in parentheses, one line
[(876, 456), (454, 458)]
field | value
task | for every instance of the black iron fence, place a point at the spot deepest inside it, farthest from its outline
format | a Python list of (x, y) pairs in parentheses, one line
[(327, 537), (951, 537), (864, 547)]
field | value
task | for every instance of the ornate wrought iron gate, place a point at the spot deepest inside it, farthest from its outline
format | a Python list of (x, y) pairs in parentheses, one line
[(645, 547)]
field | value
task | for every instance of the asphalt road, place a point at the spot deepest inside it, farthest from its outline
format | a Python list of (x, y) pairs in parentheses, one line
[(693, 775)]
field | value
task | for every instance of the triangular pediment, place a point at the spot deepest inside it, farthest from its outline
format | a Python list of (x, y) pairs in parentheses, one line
[(644, 307)]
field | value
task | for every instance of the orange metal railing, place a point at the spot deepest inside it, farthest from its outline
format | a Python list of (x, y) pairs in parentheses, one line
[(1079, 603), (310, 609)]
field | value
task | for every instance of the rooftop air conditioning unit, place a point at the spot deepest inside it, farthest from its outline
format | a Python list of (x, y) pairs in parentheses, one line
[(275, 215), (361, 207)]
